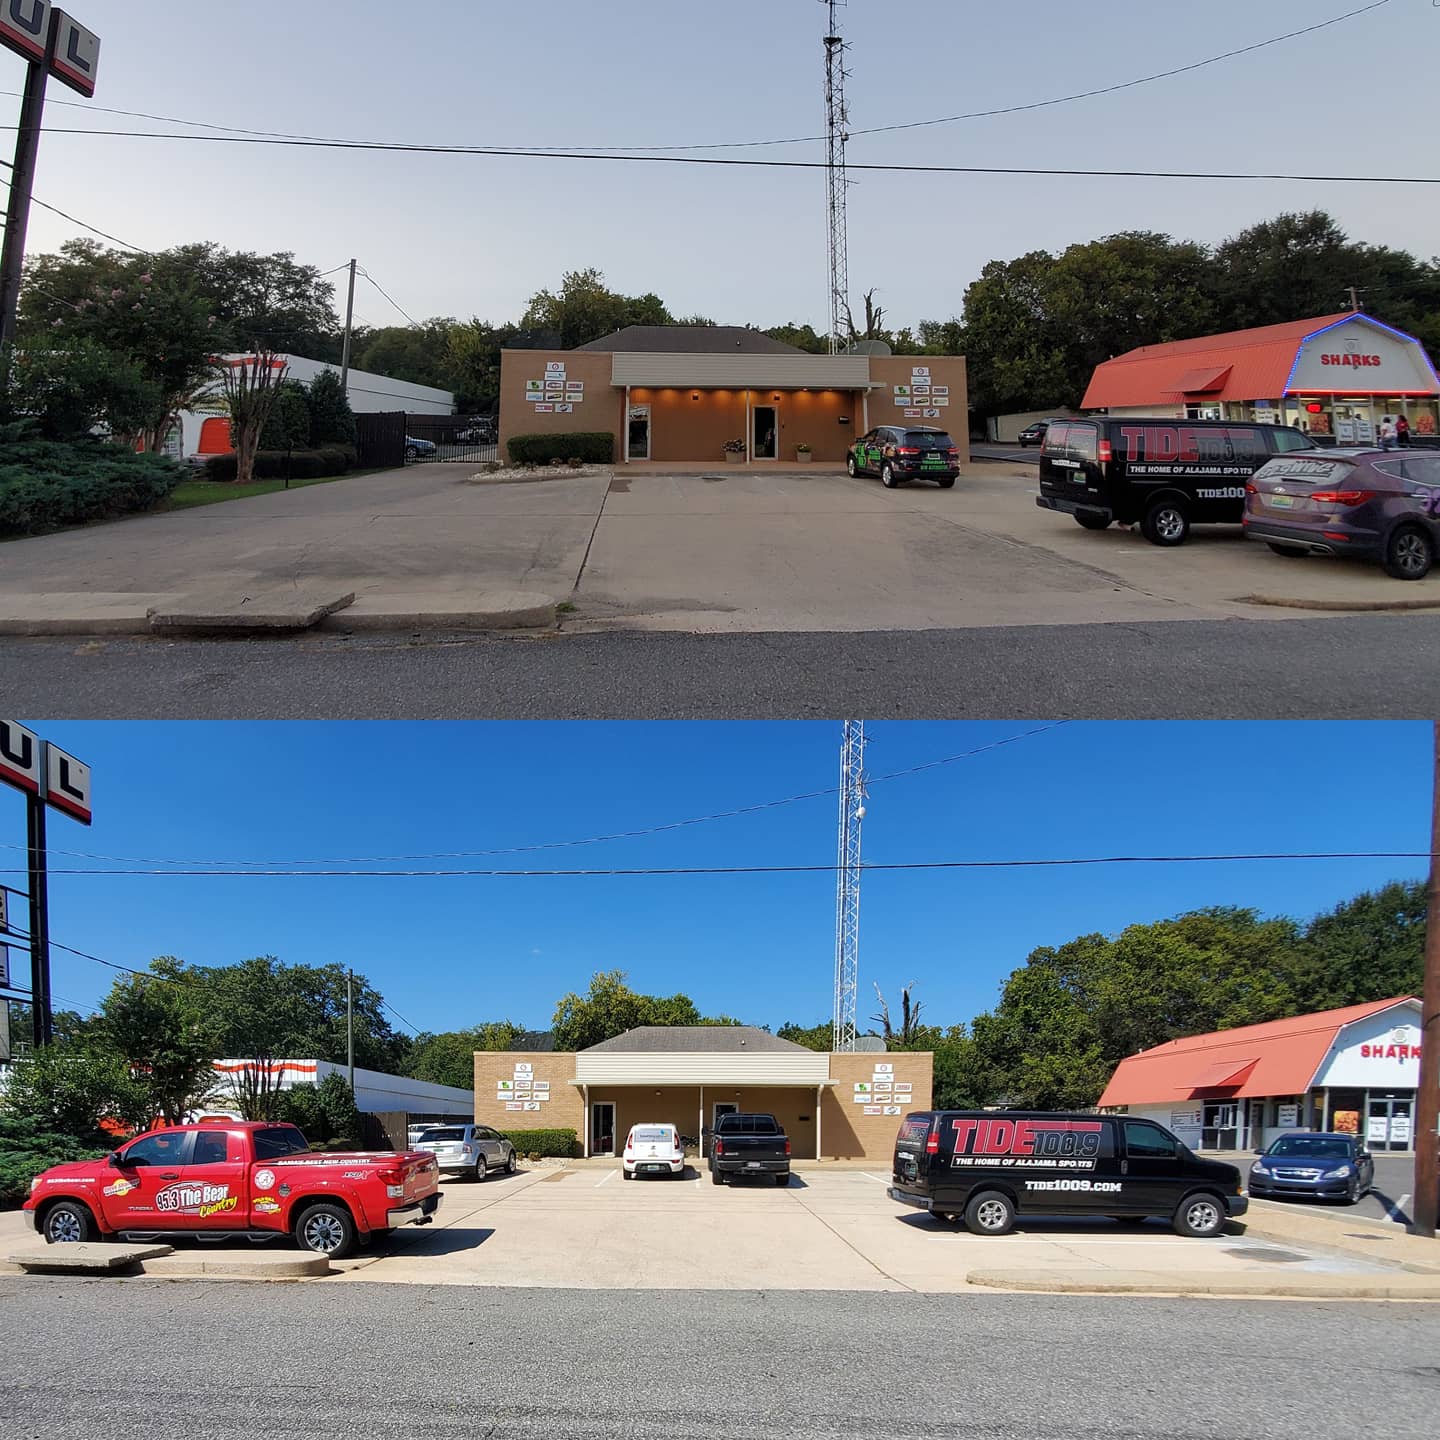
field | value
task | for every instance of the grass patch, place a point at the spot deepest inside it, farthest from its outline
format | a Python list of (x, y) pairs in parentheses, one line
[(191, 493)]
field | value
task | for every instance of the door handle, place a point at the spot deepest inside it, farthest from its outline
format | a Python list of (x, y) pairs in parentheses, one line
[(169, 1174)]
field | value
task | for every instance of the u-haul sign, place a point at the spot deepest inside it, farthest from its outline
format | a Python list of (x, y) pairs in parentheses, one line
[(21, 757), (25, 29), (29, 764)]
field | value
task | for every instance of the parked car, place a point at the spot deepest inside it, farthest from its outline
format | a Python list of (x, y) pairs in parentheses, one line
[(1319, 1164), (1164, 475), (1368, 504), (418, 449), (905, 452), (477, 432), (652, 1150), (987, 1167), (240, 1178), (473, 1150), (743, 1144), (1032, 434)]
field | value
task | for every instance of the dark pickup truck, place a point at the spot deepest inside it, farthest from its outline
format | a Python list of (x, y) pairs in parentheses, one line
[(748, 1145)]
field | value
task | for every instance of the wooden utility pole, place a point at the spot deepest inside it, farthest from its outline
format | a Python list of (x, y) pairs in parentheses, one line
[(349, 335), (1427, 1096)]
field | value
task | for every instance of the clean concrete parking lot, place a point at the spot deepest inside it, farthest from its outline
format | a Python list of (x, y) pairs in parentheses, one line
[(800, 551)]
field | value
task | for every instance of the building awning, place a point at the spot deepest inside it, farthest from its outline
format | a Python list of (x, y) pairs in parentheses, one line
[(1203, 381), (740, 371), (1228, 1072)]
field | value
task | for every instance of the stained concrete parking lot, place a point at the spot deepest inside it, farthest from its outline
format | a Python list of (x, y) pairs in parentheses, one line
[(832, 1229)]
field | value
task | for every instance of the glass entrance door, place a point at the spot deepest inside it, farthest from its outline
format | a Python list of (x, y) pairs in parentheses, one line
[(766, 431), (1220, 1125), (638, 433), (602, 1128), (1388, 1123)]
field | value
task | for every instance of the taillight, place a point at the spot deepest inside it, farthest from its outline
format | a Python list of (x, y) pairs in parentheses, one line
[(1342, 497), (1105, 452), (390, 1177), (953, 454), (787, 1144), (1251, 489), (906, 450), (932, 1140), (719, 1147)]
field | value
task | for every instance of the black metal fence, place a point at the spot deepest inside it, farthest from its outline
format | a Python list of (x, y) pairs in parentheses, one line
[(395, 439)]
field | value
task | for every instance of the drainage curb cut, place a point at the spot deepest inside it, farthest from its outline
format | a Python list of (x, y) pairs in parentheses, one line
[(1144, 1282)]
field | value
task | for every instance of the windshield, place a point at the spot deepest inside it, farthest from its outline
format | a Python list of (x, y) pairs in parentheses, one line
[(1310, 1147), (651, 1135), (279, 1140), (451, 1134)]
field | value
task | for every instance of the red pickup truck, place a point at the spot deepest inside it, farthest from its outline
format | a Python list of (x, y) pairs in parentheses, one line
[(243, 1178)]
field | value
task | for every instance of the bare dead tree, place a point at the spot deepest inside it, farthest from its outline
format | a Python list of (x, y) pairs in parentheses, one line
[(909, 1016), (255, 1089)]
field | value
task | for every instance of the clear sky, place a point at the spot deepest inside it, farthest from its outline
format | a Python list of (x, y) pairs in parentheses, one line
[(475, 235), (456, 951)]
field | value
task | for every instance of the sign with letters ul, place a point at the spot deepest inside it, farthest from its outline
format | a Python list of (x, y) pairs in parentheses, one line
[(67, 784), (20, 757), (25, 28)]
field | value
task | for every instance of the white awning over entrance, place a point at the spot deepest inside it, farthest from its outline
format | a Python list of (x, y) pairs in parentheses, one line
[(660, 1068), (742, 372)]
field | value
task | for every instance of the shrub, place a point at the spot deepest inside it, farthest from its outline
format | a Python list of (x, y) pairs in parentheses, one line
[(325, 1112), (597, 447), (575, 463), (26, 1150), (332, 422), (302, 464), (287, 426), (48, 483), (539, 1143)]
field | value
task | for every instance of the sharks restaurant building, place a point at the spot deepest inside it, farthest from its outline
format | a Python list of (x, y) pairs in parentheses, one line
[(837, 1106), (1354, 1070), (1335, 376), (723, 394)]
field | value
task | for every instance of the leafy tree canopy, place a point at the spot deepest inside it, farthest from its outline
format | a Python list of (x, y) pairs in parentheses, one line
[(611, 1007)]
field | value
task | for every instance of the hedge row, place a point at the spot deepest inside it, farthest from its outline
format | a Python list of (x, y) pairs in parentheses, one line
[(595, 447), (296, 464), (26, 1151), (48, 483), (558, 1143)]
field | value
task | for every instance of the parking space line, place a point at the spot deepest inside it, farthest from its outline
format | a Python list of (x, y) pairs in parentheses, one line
[(883, 1179), (609, 1175)]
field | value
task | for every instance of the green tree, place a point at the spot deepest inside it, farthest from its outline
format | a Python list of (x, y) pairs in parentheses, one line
[(162, 1031), (812, 1037), (1369, 948), (287, 426), (76, 388), (332, 421), (418, 354), (69, 1088), (252, 384), (449, 1057), (585, 308), (802, 337), (611, 1007)]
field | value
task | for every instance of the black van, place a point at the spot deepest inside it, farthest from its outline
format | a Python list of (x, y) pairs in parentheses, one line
[(988, 1166), (1166, 474)]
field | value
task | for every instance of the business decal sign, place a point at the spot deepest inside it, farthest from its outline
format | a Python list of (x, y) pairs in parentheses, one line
[(1184, 450), (1026, 1144)]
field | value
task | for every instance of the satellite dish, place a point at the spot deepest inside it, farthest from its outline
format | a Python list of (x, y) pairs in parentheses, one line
[(869, 347)]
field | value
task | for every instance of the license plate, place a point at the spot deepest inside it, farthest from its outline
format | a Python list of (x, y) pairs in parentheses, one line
[(1282, 502), (752, 1164)]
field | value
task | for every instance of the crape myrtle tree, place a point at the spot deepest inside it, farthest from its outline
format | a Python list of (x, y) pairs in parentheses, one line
[(251, 385)]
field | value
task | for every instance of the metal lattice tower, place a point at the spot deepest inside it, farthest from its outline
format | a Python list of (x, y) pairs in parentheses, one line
[(847, 883), (837, 121)]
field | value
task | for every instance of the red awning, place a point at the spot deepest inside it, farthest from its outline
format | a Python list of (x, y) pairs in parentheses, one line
[(1204, 381), (1228, 1072)]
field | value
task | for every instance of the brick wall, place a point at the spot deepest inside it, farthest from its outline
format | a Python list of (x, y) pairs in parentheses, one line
[(888, 371), (562, 1111), (601, 409), (847, 1132)]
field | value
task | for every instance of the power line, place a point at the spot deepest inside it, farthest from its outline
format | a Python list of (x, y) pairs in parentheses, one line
[(639, 159), (85, 225), (387, 295), (755, 144), (638, 834), (613, 872)]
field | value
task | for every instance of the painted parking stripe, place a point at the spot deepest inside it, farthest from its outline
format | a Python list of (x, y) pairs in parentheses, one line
[(609, 1175)]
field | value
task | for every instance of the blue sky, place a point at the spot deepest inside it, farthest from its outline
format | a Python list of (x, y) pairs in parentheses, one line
[(450, 952), (466, 236)]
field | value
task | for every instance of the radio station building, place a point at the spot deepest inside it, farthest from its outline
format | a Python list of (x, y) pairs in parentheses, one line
[(1336, 375), (683, 393), (831, 1106), (1354, 1070)]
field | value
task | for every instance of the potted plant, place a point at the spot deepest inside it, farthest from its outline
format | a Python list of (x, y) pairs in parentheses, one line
[(734, 452), (802, 452)]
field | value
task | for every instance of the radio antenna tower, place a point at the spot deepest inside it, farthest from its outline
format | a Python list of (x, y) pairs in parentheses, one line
[(837, 121), (847, 883)]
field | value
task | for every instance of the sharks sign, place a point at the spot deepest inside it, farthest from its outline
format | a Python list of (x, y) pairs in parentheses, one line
[(25, 29)]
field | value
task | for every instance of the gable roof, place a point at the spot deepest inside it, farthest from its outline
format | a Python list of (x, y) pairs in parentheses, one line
[(1258, 362), (1280, 1057), (692, 340), (707, 1039)]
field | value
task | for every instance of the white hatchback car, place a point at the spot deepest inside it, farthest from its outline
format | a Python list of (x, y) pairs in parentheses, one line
[(653, 1150)]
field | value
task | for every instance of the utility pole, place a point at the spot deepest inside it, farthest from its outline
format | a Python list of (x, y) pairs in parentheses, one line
[(1354, 295), (350, 1025), (40, 1014), (349, 330), (22, 183), (1427, 1095)]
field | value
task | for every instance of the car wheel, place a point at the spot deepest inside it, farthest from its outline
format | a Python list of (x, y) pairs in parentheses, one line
[(1200, 1216), (626, 1174), (510, 1163), (411, 453), (1165, 523), (1352, 1191), (1409, 554), (946, 482), (715, 1178), (68, 1223), (783, 1179), (327, 1230), (887, 476), (1093, 522), (990, 1213), (480, 1172), (1290, 552), (851, 469)]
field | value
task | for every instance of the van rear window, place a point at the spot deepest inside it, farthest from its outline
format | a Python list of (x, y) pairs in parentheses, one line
[(1056, 438), (914, 1130)]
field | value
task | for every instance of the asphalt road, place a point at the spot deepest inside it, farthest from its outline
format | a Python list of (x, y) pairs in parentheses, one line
[(1367, 667), (1014, 454), (232, 1362)]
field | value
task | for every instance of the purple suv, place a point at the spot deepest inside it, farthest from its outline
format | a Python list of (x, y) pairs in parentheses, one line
[(1372, 504)]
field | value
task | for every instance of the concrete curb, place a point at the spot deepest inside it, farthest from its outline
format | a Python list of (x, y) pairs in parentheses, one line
[(1340, 607), (485, 610), (188, 1265), (242, 610), (1145, 1282)]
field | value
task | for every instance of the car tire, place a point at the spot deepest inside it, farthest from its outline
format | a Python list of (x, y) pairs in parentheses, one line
[(1409, 553), (480, 1172), (1353, 1191), (990, 1213), (68, 1223), (510, 1163), (1200, 1217), (1093, 522), (946, 482), (1290, 552), (783, 1179), (851, 469), (411, 453), (1166, 523), (716, 1178), (887, 476), (626, 1174), (326, 1230)]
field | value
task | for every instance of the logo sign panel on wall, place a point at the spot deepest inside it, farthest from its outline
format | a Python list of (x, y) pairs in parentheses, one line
[(25, 29)]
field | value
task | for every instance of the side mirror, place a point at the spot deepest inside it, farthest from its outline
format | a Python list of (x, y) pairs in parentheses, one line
[(1259, 1149), (114, 1159)]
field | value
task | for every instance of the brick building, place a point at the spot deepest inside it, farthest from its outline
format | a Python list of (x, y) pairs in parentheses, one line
[(832, 1106)]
